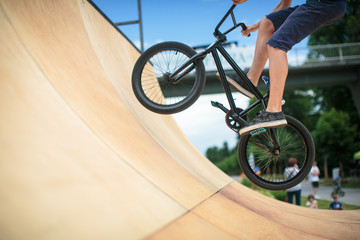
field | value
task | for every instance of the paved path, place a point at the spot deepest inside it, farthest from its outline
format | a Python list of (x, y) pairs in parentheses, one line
[(352, 196)]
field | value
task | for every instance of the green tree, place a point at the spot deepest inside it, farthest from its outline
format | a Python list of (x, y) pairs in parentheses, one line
[(333, 97), (224, 158), (215, 154), (335, 139), (301, 104), (230, 164)]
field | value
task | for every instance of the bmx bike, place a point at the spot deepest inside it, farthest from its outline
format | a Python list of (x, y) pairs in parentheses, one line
[(170, 76), (337, 188), (338, 191)]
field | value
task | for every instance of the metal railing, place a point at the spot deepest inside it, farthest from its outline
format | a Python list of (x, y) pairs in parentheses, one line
[(297, 57), (324, 54)]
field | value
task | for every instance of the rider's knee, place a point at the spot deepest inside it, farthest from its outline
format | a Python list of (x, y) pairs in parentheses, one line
[(270, 48), (274, 49), (266, 25)]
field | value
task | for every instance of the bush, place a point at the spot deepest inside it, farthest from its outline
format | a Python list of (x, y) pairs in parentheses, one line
[(266, 192), (230, 165), (279, 195), (246, 182)]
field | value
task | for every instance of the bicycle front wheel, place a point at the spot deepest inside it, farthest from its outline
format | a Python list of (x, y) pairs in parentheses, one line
[(264, 157), (151, 80)]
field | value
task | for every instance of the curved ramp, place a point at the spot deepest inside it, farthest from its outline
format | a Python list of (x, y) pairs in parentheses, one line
[(81, 159)]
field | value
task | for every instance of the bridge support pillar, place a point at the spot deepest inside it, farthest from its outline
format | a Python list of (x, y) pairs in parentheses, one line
[(355, 91)]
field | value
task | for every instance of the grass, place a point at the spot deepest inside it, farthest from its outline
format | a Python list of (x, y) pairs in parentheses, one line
[(281, 196), (324, 204)]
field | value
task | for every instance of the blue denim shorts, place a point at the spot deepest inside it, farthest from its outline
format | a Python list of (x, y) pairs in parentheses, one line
[(296, 23)]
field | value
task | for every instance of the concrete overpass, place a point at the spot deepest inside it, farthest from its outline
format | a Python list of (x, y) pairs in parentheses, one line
[(341, 68), (313, 76)]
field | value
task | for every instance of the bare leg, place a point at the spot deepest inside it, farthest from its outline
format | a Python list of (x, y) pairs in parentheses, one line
[(266, 30), (278, 68), (315, 191)]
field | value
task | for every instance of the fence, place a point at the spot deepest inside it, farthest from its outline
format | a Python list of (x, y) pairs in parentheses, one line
[(306, 56)]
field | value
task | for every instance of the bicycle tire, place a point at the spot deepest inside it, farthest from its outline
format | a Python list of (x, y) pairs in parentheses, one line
[(294, 140), (340, 192), (151, 87)]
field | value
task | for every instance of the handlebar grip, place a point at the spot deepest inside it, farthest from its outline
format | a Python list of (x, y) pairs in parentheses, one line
[(244, 27)]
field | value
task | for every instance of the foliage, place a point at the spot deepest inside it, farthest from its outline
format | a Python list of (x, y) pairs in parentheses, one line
[(265, 192), (224, 158), (216, 154), (280, 195), (230, 164), (333, 97), (246, 182), (301, 104), (335, 137)]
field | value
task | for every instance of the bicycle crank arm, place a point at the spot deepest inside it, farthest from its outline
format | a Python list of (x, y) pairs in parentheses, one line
[(220, 106)]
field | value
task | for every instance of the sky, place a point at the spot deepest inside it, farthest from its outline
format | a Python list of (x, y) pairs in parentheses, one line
[(192, 22)]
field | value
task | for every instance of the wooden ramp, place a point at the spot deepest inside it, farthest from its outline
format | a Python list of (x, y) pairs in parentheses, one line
[(80, 158)]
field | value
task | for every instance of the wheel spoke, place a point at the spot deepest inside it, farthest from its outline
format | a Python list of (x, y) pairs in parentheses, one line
[(264, 158)]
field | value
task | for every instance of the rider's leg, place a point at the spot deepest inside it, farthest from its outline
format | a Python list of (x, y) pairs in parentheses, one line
[(278, 69), (300, 23), (266, 30), (315, 191), (268, 25)]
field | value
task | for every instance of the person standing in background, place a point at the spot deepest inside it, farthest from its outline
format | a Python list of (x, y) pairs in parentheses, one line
[(290, 172), (313, 177)]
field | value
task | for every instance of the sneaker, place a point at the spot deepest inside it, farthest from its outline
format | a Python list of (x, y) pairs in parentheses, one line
[(267, 82), (238, 84), (265, 120)]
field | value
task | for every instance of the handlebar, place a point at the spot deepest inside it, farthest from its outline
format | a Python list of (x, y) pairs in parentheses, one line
[(218, 34)]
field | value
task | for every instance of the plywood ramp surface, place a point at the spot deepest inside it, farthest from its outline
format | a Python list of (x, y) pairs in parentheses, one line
[(80, 158)]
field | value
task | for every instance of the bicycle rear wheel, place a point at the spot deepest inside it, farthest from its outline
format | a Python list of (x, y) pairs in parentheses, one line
[(152, 85), (264, 157)]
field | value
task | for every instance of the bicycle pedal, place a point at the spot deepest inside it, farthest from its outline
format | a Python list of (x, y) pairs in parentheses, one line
[(257, 131)]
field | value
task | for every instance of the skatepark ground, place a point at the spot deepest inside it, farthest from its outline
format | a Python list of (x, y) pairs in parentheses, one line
[(80, 158)]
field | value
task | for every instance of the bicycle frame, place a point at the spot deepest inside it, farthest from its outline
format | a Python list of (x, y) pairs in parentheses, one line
[(216, 48), (154, 82)]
